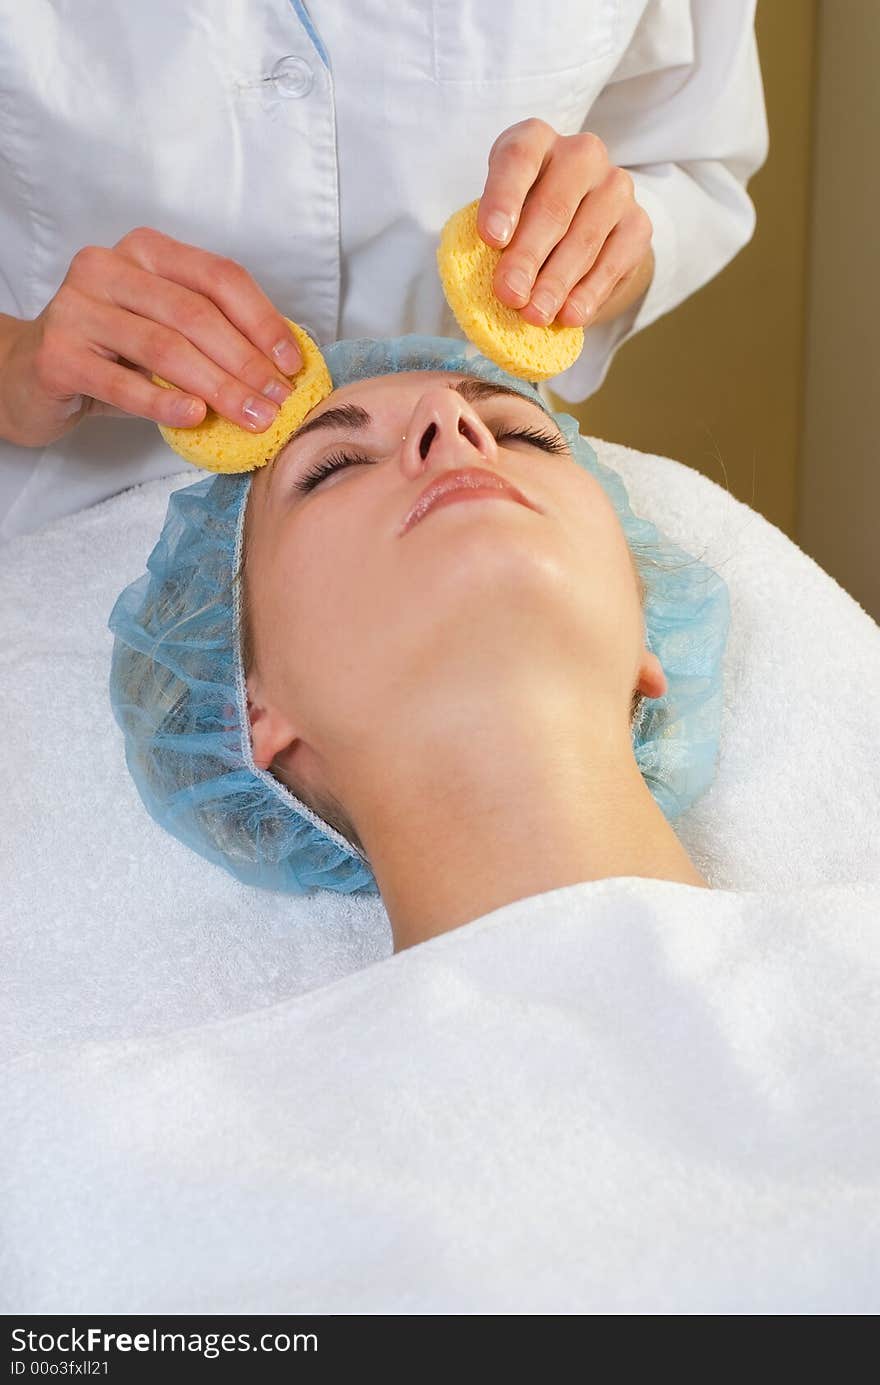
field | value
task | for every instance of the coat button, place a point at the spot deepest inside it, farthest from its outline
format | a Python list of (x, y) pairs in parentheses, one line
[(292, 77)]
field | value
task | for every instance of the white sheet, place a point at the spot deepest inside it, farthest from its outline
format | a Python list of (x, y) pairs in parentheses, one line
[(139, 980)]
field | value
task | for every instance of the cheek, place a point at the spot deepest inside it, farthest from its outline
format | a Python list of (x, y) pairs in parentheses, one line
[(317, 621), (601, 557), (591, 525)]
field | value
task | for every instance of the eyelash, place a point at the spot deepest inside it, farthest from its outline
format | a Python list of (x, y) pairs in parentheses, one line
[(338, 460)]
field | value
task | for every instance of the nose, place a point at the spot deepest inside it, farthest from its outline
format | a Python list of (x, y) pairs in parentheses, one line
[(445, 432)]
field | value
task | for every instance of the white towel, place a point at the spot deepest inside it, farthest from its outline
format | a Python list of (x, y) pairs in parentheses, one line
[(625, 1095)]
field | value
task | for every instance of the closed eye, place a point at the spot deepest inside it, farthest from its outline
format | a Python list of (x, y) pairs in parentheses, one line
[(338, 460)]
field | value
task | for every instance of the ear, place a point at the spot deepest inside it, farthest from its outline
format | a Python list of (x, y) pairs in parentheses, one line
[(652, 679), (271, 731)]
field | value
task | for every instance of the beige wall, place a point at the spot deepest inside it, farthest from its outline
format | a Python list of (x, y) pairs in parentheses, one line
[(839, 495), (718, 382)]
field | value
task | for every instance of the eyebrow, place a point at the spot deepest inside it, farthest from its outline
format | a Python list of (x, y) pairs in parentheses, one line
[(354, 418)]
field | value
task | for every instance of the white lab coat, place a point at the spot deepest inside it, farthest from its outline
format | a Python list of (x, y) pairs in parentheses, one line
[(323, 145)]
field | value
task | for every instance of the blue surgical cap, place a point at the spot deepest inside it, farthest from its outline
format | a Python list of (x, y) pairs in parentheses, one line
[(178, 692)]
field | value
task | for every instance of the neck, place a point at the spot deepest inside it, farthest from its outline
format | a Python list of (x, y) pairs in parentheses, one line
[(463, 827)]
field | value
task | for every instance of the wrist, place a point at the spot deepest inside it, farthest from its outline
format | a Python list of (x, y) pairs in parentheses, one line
[(10, 330)]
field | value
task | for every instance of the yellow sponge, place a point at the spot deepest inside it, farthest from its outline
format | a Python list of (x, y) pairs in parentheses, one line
[(467, 266), (218, 445)]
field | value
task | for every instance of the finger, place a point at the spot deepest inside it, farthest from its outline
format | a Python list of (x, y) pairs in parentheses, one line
[(225, 282), (574, 256), (574, 175), (113, 387), (173, 356), (194, 317), (618, 260), (190, 409), (515, 161)]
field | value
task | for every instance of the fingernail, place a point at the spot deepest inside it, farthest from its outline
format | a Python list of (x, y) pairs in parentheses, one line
[(544, 301), (258, 412), (499, 226), (186, 410), (287, 355), (518, 281), (275, 390)]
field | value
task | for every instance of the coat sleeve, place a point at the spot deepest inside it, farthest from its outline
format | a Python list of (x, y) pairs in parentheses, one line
[(684, 113)]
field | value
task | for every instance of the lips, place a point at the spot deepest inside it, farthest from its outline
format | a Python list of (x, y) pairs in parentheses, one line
[(471, 478)]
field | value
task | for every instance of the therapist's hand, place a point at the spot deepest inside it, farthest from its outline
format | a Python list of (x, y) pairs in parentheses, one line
[(149, 304), (575, 234)]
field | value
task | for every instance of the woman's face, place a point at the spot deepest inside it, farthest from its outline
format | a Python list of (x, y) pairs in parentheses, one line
[(367, 636)]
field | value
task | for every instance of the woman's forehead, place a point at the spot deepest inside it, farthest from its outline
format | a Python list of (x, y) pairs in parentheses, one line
[(400, 377)]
